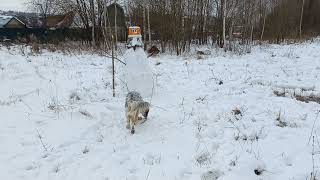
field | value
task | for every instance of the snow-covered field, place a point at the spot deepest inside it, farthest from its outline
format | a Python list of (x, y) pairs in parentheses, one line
[(217, 117)]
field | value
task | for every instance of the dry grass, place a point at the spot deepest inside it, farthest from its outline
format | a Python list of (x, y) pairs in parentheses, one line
[(66, 47), (280, 121), (279, 94), (307, 99), (237, 111), (299, 97)]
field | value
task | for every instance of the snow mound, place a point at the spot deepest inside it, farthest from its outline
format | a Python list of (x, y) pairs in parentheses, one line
[(138, 75)]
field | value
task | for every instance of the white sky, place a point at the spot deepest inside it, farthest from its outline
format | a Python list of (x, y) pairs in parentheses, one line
[(15, 5)]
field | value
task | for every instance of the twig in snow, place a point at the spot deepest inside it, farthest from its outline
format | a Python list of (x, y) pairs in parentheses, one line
[(124, 84), (116, 59), (148, 174), (284, 71), (187, 67), (26, 105), (313, 174), (314, 122), (40, 138), (152, 90), (185, 114), (86, 113)]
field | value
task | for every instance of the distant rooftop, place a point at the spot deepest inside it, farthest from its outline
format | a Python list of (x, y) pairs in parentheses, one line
[(4, 20)]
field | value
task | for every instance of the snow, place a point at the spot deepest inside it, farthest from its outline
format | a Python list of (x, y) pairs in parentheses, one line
[(198, 127)]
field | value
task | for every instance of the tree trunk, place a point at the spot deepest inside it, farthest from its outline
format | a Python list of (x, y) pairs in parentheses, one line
[(129, 14), (251, 33), (263, 26), (149, 30), (144, 25), (113, 82), (93, 22), (204, 25), (115, 25), (301, 18), (229, 48), (105, 31), (224, 6)]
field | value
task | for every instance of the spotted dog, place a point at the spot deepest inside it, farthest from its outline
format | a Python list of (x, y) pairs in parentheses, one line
[(136, 110)]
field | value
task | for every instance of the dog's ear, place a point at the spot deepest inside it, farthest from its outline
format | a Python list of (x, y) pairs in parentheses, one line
[(146, 113)]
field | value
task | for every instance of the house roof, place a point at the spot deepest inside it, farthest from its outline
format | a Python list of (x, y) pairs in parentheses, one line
[(115, 4), (59, 21), (6, 19)]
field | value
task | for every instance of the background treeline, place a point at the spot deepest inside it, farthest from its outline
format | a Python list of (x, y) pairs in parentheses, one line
[(176, 24)]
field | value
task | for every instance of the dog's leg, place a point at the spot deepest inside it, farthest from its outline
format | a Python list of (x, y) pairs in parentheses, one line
[(128, 124), (134, 119), (132, 126), (132, 130), (128, 120)]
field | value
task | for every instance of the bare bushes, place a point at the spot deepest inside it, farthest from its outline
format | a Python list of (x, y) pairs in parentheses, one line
[(35, 46), (70, 47)]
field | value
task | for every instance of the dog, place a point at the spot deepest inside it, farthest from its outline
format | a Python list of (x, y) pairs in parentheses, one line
[(137, 110)]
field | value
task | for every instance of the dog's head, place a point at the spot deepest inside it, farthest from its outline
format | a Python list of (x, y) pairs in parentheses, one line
[(144, 110)]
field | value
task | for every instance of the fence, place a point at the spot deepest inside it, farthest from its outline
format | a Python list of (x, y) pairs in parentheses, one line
[(47, 35)]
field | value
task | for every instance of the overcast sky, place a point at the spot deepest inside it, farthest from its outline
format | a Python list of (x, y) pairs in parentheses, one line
[(15, 5)]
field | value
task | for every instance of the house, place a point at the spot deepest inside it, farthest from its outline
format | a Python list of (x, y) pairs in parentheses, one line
[(113, 10), (11, 22), (58, 21), (11, 27)]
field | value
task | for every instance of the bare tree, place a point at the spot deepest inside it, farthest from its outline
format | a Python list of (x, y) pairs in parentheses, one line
[(83, 12), (148, 14), (263, 26), (179, 23), (44, 7), (115, 24), (224, 8), (93, 21), (144, 24)]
